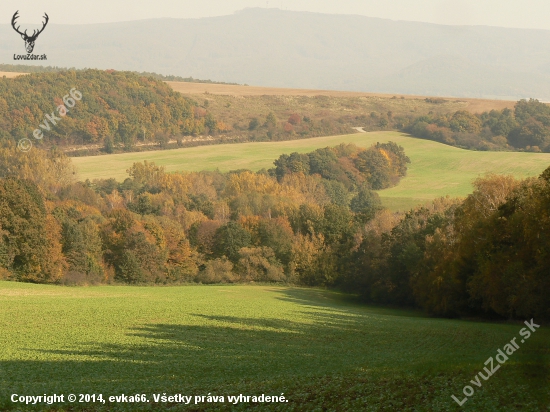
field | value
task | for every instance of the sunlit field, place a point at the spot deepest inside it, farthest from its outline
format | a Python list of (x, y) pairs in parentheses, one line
[(321, 349), (435, 170)]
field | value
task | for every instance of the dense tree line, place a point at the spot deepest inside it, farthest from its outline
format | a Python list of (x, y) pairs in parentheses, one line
[(381, 166), (208, 227), (325, 122), (23, 68), (526, 128), (117, 109), (307, 221), (290, 127), (486, 254)]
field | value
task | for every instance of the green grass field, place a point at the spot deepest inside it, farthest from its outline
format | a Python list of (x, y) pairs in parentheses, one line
[(323, 351), (435, 170)]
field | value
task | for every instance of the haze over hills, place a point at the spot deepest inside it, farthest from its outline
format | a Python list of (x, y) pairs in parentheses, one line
[(271, 47)]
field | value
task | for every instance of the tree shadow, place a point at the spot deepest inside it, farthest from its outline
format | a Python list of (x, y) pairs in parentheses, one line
[(219, 353), (341, 302)]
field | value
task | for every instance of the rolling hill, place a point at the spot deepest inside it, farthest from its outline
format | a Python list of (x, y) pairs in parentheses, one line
[(435, 170), (271, 47)]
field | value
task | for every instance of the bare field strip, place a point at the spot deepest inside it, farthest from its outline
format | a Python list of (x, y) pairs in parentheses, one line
[(474, 105), (11, 75)]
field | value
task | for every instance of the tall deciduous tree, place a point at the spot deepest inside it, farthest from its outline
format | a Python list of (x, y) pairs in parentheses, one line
[(30, 246)]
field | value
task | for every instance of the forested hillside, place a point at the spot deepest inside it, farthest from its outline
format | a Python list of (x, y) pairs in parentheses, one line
[(127, 111), (116, 109)]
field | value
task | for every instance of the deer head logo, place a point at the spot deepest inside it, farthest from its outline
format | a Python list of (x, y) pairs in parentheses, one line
[(29, 40)]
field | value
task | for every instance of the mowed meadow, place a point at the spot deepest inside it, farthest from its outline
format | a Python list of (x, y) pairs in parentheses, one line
[(320, 348), (436, 169)]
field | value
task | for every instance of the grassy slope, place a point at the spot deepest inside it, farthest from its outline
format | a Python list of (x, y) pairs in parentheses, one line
[(435, 169), (312, 345)]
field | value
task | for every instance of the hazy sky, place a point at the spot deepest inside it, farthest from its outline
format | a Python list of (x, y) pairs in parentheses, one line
[(505, 13)]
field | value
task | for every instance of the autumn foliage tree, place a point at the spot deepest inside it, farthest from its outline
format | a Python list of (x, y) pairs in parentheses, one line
[(380, 166), (30, 246), (117, 109), (526, 128), (311, 220)]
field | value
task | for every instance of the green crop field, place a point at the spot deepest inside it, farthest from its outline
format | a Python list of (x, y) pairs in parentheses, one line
[(435, 170), (320, 349)]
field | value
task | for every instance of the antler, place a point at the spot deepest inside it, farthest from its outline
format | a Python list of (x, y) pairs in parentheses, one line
[(34, 35), (15, 16)]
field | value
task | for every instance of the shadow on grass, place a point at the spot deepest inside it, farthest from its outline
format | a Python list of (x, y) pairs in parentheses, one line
[(216, 350), (318, 298), (223, 352)]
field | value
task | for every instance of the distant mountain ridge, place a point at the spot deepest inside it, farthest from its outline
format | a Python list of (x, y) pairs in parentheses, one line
[(271, 47)]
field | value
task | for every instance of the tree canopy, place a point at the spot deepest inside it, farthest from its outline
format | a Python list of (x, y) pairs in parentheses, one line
[(117, 108), (525, 128)]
